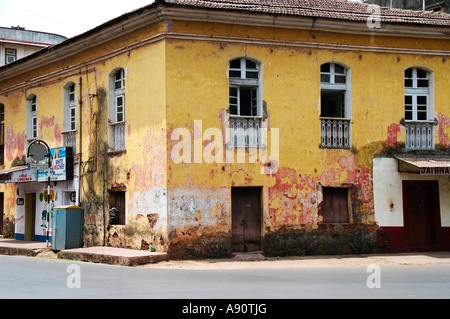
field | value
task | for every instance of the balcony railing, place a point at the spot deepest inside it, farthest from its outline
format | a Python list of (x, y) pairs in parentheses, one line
[(245, 132), (70, 139), (118, 131), (335, 132), (419, 135)]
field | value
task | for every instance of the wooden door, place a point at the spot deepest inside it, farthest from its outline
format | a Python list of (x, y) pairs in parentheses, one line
[(420, 213), (117, 200), (334, 208), (30, 216), (246, 219)]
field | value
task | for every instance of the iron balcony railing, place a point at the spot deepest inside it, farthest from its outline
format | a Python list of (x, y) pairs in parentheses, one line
[(70, 139), (335, 132), (245, 132), (419, 135), (118, 131)]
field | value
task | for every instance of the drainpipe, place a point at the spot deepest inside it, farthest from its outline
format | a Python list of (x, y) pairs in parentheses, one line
[(80, 102)]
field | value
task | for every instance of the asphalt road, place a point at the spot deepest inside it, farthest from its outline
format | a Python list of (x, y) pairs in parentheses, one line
[(43, 278)]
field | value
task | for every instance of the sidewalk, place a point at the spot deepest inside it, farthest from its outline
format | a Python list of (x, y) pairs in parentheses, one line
[(147, 259), (107, 255)]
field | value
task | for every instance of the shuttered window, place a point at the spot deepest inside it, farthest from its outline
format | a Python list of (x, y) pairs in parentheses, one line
[(335, 205)]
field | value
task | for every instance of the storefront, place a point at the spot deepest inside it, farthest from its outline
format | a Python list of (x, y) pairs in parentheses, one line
[(412, 203), (32, 203)]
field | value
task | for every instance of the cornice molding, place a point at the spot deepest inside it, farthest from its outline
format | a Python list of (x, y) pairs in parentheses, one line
[(308, 23), (306, 44)]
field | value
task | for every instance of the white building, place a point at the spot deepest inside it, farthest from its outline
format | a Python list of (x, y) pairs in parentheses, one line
[(16, 43)]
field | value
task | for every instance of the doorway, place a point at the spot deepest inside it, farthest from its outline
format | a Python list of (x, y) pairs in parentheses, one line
[(30, 216), (421, 214), (246, 219)]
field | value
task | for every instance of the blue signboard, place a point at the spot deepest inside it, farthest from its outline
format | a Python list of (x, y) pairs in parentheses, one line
[(62, 166)]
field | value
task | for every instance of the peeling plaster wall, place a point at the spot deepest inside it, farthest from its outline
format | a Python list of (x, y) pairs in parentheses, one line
[(180, 82), (199, 222), (140, 170), (197, 87)]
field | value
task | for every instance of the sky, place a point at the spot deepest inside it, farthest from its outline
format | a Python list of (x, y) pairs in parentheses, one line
[(67, 18)]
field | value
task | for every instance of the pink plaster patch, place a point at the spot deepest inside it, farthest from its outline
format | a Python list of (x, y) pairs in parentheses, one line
[(443, 123), (293, 199), (47, 121), (392, 132), (351, 165), (15, 144), (58, 134)]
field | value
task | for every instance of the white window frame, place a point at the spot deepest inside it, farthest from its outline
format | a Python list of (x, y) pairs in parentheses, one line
[(336, 128), (245, 129), (34, 127), (117, 110), (332, 85), (244, 82), (254, 109), (333, 74), (70, 115), (32, 122), (119, 93), (415, 92), (33, 113), (72, 107), (419, 131), (120, 108), (119, 83), (10, 52)]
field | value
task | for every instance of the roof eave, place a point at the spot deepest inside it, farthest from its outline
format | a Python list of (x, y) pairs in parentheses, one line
[(108, 31)]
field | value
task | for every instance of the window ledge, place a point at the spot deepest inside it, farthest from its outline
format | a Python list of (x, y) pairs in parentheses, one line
[(116, 152), (403, 122), (116, 123), (68, 131), (245, 116), (335, 147), (336, 118), (232, 147)]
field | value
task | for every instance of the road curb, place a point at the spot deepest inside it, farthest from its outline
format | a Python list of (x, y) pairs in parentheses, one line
[(113, 256), (18, 251)]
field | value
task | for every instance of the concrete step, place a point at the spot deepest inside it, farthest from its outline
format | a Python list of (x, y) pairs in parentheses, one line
[(114, 256), (248, 256)]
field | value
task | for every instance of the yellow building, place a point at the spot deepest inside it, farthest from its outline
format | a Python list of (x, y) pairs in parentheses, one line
[(203, 128)]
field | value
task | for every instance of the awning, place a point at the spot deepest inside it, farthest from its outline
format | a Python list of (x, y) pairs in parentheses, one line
[(424, 165), (18, 174)]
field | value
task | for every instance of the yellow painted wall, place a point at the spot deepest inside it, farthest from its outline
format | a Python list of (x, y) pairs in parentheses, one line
[(141, 169), (181, 81), (197, 87)]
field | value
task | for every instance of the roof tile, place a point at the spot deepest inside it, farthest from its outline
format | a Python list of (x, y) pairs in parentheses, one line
[(332, 9)]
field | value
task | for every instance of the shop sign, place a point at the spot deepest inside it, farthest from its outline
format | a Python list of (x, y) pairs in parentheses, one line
[(435, 171), (23, 176), (61, 168)]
